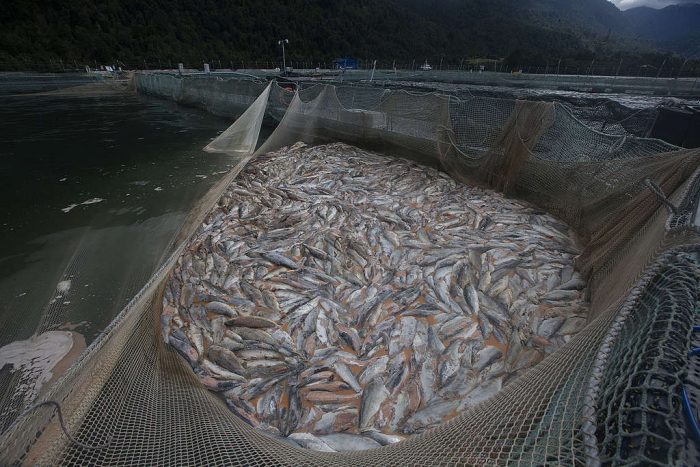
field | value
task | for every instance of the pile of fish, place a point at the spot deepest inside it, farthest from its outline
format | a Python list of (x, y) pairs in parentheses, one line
[(345, 300)]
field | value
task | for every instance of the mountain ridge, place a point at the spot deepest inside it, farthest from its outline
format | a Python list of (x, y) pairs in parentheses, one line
[(575, 35), (675, 27)]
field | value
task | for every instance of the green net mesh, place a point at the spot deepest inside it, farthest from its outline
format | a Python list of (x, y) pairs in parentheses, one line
[(611, 395)]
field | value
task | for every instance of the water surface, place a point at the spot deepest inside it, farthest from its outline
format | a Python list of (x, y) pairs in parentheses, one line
[(93, 189)]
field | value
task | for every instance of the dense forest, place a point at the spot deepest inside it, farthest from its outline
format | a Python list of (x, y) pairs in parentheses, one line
[(569, 35)]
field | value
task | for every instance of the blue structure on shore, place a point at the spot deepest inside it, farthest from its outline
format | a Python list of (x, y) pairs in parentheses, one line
[(345, 63)]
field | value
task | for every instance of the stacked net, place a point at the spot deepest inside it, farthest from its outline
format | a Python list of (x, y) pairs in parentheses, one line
[(611, 395)]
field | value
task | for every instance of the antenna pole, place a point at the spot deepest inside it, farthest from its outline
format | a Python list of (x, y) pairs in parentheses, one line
[(284, 58)]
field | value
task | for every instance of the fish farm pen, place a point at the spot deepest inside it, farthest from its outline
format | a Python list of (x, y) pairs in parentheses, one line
[(685, 86), (400, 278)]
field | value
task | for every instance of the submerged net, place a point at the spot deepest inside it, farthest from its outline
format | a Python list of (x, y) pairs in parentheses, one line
[(611, 395)]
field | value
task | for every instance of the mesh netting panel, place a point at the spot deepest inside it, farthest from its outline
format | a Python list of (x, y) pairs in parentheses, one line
[(311, 93), (639, 416), (133, 392), (614, 118), (602, 114), (242, 137), (360, 97), (280, 98), (477, 123), (220, 96)]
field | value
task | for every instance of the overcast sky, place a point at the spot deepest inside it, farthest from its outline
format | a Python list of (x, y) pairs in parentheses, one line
[(626, 4)]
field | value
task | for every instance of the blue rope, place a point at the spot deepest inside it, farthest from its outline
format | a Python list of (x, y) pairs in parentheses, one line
[(689, 413), (688, 409)]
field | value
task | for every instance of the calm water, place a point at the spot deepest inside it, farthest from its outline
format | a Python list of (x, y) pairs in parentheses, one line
[(93, 189)]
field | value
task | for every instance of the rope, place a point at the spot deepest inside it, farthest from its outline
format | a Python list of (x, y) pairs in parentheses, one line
[(654, 188), (687, 407), (63, 426)]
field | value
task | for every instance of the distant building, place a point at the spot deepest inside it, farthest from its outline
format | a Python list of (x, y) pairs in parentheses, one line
[(345, 63)]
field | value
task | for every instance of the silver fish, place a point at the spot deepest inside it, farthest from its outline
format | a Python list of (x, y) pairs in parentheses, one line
[(347, 376), (373, 397), (226, 359)]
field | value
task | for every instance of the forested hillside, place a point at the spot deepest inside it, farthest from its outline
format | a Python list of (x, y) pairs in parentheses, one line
[(676, 27), (135, 33)]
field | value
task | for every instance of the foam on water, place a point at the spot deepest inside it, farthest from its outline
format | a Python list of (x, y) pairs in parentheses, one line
[(35, 358), (68, 208), (63, 286)]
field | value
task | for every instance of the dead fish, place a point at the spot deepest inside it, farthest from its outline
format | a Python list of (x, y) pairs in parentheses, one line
[(231, 344), (382, 438), (282, 260), (349, 442), (331, 386), (472, 298), (346, 375), (187, 295), (487, 356), (259, 354), (309, 441), (185, 349), (252, 334), (222, 373), (212, 383), (430, 415), (221, 308), (427, 378), (350, 336), (336, 421), (434, 341), (226, 359), (325, 397), (373, 397), (451, 365), (195, 336), (251, 322), (374, 369)]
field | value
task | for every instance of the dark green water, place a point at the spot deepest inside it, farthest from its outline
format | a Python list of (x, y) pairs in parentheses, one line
[(140, 156)]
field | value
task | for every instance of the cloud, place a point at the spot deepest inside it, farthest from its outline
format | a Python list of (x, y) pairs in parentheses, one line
[(627, 4)]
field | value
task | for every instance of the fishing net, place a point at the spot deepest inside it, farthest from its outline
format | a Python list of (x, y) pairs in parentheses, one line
[(611, 115), (612, 394)]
